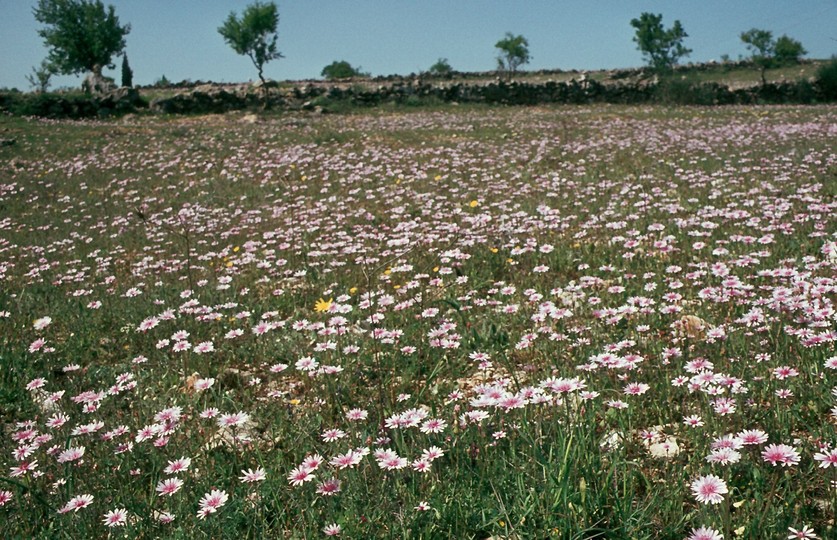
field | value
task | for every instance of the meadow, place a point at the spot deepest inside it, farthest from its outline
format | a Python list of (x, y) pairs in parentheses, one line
[(575, 322)]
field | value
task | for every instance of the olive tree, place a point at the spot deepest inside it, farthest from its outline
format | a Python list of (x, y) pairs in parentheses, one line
[(41, 76), (254, 34), (81, 35), (765, 52), (340, 69), (514, 52), (662, 48)]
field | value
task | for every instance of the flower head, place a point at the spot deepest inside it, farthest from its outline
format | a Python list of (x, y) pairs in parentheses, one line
[(709, 489)]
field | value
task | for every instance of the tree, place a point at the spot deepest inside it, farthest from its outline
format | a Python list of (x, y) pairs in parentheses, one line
[(441, 68), (40, 77), (761, 46), (788, 51), (127, 73), (81, 35), (514, 52), (340, 69), (254, 34), (661, 48), (766, 53)]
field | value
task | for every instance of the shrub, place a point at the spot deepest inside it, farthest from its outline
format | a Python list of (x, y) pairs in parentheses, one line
[(340, 69), (826, 82)]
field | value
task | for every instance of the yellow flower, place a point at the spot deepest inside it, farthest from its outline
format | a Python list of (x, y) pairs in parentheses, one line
[(438, 177), (294, 401), (322, 305), (474, 203), (235, 249), (353, 290), (493, 250)]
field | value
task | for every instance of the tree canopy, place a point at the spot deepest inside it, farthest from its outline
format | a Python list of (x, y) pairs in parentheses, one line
[(254, 34), (441, 68), (661, 48), (514, 52), (81, 34), (340, 69), (766, 52)]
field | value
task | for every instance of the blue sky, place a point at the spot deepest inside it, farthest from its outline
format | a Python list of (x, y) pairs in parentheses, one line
[(179, 38)]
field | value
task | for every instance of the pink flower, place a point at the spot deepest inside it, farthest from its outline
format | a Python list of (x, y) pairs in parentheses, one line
[(299, 476), (169, 486), (71, 454), (803, 534), (178, 466), (356, 414), (780, 454), (434, 425), (827, 458), (752, 436), (116, 518), (332, 530), (251, 476), (77, 503), (329, 487), (709, 489), (211, 502), (705, 533), (5, 496), (331, 435)]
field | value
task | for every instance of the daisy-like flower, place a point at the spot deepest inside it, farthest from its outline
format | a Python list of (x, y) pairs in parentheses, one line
[(693, 421), (349, 459), (23, 467), (300, 475), (204, 384), (165, 517), (178, 466), (5, 496), (724, 456), (421, 465), (804, 533), (434, 425), (77, 503), (42, 323), (636, 389), (752, 437), (827, 458), (211, 502), (329, 487), (312, 462), (355, 415), (780, 454), (71, 454), (116, 518), (322, 305), (169, 486), (249, 476), (233, 420), (434, 452), (705, 533), (204, 347), (709, 489), (423, 506), (332, 530), (331, 435)]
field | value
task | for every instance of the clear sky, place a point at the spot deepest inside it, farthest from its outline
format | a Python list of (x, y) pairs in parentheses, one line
[(179, 38)]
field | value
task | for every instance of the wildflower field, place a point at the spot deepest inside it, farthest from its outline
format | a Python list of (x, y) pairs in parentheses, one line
[(576, 323)]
